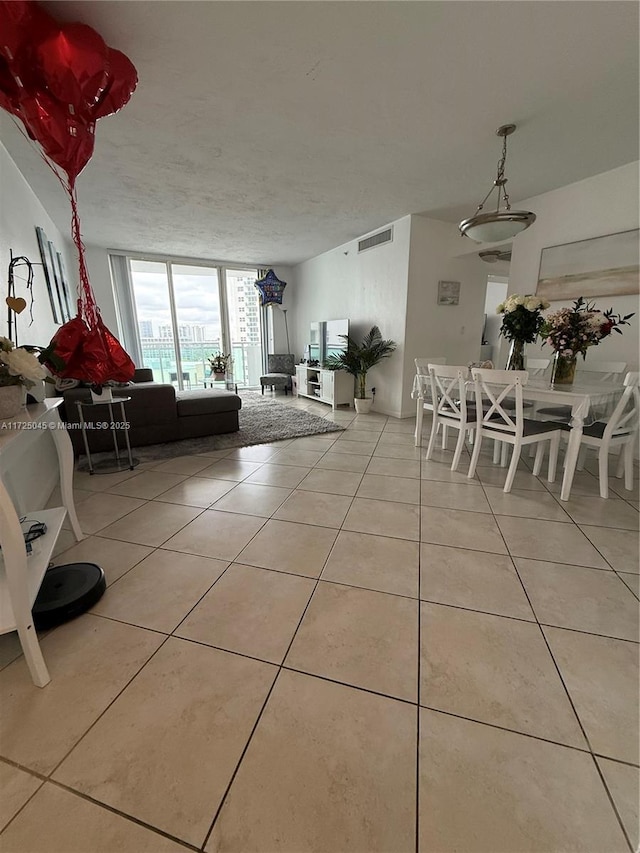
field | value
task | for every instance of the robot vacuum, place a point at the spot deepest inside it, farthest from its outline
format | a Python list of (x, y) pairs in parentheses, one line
[(66, 592)]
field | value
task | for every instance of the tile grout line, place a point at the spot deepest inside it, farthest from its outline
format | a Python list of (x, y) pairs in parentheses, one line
[(117, 696), (562, 680), (105, 806), (566, 689), (38, 776), (280, 668)]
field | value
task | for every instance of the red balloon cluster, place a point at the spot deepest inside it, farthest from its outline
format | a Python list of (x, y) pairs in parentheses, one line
[(91, 354), (59, 80)]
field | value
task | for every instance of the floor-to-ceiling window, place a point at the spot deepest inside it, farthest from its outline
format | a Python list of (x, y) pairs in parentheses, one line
[(243, 308), (198, 320), (185, 313)]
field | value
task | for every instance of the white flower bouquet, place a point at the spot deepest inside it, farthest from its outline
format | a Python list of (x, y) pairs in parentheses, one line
[(18, 366), (522, 319)]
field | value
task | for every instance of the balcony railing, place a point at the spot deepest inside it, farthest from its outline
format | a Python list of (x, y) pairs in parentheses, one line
[(160, 357)]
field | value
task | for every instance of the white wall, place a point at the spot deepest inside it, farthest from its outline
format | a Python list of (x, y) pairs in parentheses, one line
[(31, 476), (368, 289), (20, 213), (100, 278), (452, 331), (277, 342), (603, 204)]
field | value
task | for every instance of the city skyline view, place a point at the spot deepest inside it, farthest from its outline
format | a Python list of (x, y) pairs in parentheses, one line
[(193, 331)]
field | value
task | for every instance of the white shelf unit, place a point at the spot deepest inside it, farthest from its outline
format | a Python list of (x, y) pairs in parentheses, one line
[(37, 563), (334, 387), (21, 574)]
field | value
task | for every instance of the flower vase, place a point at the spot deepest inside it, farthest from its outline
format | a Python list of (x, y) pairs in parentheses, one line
[(11, 397), (102, 396), (516, 356), (564, 369)]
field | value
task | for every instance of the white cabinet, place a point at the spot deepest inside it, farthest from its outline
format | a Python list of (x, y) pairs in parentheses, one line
[(22, 574), (334, 387)]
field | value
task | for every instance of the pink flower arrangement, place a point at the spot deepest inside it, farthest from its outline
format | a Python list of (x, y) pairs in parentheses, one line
[(570, 331)]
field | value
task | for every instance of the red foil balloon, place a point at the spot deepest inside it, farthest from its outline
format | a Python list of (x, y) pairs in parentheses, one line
[(92, 355), (22, 26), (59, 81), (123, 79), (74, 64), (66, 140), (13, 33), (9, 89)]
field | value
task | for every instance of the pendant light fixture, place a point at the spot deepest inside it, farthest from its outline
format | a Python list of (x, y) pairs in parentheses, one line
[(492, 256), (498, 224)]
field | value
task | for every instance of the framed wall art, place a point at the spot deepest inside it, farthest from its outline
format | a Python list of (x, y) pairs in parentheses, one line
[(57, 283), (600, 266), (70, 298), (66, 296), (448, 293), (47, 266)]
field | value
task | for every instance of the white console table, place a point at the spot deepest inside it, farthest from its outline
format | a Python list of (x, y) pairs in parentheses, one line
[(329, 386), (21, 574)]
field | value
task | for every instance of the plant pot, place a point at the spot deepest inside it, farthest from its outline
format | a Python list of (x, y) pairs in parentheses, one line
[(11, 397), (363, 405), (105, 396), (219, 375)]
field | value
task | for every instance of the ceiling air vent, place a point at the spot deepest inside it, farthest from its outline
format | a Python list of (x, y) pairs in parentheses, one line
[(378, 239)]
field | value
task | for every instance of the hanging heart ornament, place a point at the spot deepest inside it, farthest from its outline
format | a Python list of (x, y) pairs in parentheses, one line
[(16, 303)]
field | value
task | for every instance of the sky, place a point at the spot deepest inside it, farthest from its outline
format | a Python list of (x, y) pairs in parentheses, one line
[(196, 296)]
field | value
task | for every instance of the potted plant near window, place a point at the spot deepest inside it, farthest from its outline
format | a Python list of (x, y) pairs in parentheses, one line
[(219, 364), (357, 359)]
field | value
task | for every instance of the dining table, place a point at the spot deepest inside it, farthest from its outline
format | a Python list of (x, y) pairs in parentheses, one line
[(588, 403)]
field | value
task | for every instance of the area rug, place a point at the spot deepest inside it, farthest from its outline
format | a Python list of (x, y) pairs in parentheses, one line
[(261, 421)]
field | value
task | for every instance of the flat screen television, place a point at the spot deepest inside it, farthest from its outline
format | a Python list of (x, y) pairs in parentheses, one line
[(334, 343), (313, 351)]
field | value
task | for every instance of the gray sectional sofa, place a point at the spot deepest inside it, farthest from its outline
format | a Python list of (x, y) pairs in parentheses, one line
[(156, 412)]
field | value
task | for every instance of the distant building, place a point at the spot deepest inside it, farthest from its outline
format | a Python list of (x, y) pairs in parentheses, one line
[(146, 328), (244, 315)]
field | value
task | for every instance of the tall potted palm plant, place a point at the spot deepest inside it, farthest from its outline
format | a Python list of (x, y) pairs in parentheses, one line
[(357, 359)]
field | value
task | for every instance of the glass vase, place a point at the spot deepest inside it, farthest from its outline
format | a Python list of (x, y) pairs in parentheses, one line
[(564, 369), (516, 356)]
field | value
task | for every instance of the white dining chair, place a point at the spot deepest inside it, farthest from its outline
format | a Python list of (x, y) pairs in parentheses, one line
[(420, 389), (619, 431), (450, 408), (492, 388), (537, 366), (603, 371)]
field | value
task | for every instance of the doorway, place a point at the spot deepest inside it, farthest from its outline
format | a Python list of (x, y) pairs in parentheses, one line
[(496, 293)]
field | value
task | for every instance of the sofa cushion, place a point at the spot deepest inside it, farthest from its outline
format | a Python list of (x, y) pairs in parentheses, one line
[(150, 404), (209, 402)]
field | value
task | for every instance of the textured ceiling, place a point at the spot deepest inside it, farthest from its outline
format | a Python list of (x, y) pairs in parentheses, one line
[(268, 132)]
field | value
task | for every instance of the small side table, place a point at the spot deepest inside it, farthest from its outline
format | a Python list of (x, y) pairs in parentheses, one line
[(117, 463), (226, 382)]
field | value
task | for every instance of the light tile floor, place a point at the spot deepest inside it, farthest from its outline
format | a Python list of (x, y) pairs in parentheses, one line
[(330, 644)]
